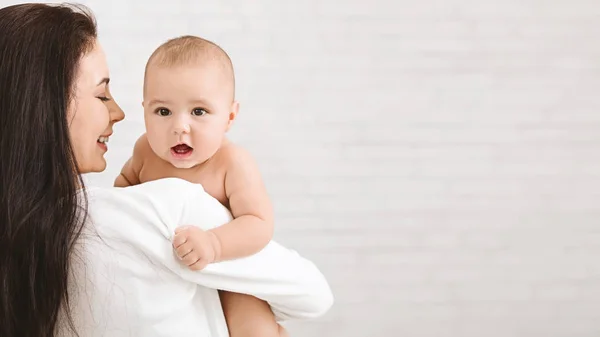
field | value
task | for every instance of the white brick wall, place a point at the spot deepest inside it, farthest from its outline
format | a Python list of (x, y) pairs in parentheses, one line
[(439, 160)]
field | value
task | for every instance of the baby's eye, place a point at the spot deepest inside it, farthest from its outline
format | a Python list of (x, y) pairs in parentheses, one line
[(199, 112), (163, 112)]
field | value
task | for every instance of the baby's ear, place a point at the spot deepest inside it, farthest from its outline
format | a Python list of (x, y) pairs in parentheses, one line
[(233, 111)]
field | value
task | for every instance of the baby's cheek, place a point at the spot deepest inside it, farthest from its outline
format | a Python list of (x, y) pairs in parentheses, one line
[(154, 128), (157, 138), (211, 140), (158, 146)]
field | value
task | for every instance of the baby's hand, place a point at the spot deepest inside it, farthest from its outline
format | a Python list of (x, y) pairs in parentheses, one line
[(196, 247)]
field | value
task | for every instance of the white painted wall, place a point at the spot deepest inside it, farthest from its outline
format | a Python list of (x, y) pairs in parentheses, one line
[(439, 160)]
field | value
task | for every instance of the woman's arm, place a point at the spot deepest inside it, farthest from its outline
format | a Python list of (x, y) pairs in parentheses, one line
[(292, 285)]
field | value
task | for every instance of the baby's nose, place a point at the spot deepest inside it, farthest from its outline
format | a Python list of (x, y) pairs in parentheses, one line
[(181, 128)]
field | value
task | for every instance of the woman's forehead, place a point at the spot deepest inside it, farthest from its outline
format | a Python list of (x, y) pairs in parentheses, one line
[(93, 68)]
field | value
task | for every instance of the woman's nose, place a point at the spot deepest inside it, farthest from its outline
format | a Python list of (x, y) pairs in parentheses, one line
[(115, 111)]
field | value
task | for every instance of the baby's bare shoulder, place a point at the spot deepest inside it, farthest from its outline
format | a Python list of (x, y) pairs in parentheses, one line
[(233, 154), (142, 147)]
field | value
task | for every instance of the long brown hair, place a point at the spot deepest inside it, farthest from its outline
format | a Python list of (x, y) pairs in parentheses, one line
[(40, 49)]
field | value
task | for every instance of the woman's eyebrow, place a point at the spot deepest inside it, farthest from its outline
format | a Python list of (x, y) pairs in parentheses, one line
[(103, 81)]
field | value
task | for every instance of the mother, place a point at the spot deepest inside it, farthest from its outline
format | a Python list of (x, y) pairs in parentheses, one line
[(99, 262)]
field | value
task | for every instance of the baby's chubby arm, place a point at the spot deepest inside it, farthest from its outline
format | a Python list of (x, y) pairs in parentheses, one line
[(129, 175), (250, 206), (252, 227)]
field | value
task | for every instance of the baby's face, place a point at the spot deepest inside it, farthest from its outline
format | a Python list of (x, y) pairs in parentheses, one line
[(187, 111)]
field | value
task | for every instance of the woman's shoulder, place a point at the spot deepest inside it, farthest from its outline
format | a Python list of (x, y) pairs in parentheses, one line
[(161, 187), (168, 195), (166, 186), (170, 199)]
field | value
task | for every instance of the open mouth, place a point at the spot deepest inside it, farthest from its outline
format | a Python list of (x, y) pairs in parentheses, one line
[(181, 150), (102, 141)]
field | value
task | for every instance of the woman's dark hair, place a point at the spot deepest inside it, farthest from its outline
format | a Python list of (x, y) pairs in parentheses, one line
[(40, 218)]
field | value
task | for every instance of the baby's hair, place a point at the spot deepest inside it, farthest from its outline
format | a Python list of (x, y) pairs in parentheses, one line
[(189, 50)]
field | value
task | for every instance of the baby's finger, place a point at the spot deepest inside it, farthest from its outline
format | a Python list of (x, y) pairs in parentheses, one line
[(180, 239), (190, 258), (184, 250), (181, 229), (199, 264)]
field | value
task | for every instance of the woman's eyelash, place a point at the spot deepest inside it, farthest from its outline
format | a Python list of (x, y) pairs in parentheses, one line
[(104, 99)]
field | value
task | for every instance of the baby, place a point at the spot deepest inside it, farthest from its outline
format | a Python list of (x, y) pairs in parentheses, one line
[(189, 105)]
